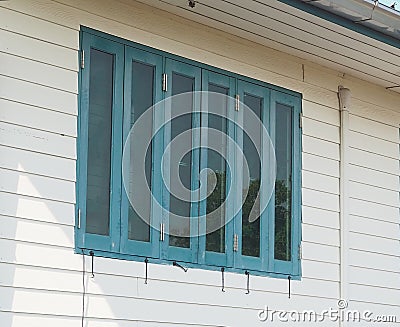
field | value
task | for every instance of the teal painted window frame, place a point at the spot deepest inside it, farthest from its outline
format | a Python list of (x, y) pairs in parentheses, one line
[(117, 244)]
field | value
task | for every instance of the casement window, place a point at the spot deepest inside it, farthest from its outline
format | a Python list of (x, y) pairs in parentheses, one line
[(119, 82)]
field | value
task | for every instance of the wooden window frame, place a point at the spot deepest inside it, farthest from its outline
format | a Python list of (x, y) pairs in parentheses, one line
[(117, 245)]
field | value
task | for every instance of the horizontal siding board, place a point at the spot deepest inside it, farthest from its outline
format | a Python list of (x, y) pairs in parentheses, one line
[(320, 270), (320, 130), (20, 252), (320, 165), (376, 112), (377, 278), (320, 182), (26, 24), (16, 205), (321, 113), (374, 227), (373, 194), (41, 278), (38, 118), (37, 163), (21, 319), (320, 200), (321, 235), (39, 301), (37, 186), (39, 73), (36, 232), (320, 147), (376, 261), (374, 294), (37, 141), (374, 145), (38, 95), (34, 49), (374, 161), (320, 252), (320, 217), (373, 128), (373, 177), (373, 210), (374, 244)]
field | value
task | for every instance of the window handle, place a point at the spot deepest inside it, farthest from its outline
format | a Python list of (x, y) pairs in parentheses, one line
[(162, 230)]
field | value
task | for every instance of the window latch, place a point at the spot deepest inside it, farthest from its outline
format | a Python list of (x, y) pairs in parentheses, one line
[(236, 243)]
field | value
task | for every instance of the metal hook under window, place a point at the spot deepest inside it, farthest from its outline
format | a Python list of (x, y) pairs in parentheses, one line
[(248, 281), (223, 279), (289, 279), (178, 265), (146, 261), (91, 253)]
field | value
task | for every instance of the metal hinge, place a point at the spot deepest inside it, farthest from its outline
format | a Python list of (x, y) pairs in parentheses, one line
[(301, 120), (79, 218), (236, 243), (165, 82), (83, 59), (237, 102), (162, 230)]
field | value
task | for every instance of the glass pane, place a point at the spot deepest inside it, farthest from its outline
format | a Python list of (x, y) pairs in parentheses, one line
[(251, 229), (180, 124), (99, 143), (215, 241), (142, 99), (283, 185)]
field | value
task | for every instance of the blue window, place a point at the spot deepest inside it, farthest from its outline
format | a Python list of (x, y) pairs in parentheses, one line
[(181, 161)]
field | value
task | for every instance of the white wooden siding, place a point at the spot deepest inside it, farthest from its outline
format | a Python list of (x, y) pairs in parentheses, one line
[(41, 276)]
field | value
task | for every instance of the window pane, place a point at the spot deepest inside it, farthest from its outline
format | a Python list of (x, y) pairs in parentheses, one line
[(99, 143), (142, 99), (180, 124), (283, 186), (251, 230), (215, 241)]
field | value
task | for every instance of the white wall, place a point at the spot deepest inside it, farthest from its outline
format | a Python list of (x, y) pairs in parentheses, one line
[(41, 277)]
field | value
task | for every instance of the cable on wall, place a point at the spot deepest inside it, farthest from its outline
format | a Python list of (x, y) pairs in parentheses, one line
[(289, 282)]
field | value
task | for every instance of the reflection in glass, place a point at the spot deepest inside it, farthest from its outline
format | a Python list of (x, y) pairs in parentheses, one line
[(180, 124), (99, 142), (251, 230), (283, 185), (215, 241), (141, 99)]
